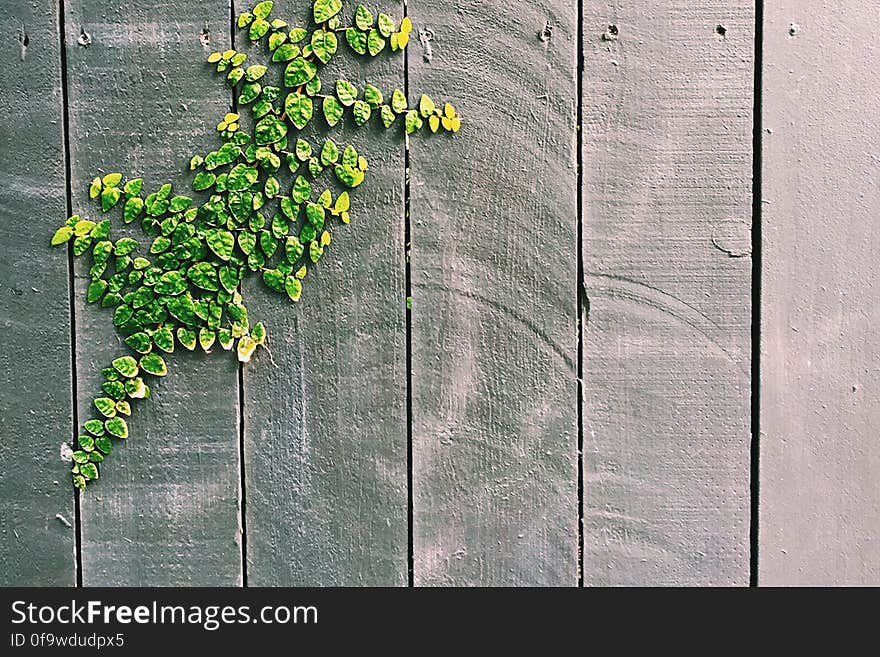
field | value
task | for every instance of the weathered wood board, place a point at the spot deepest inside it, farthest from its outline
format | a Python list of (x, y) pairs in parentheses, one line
[(325, 408), (667, 164), (36, 548), (142, 98), (820, 369), (494, 289)]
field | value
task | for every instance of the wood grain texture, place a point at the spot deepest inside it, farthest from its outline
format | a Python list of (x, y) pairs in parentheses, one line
[(141, 97), (667, 160), (820, 369), (36, 548), (494, 261), (325, 410)]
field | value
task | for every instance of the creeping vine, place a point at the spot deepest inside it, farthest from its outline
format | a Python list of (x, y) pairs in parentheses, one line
[(186, 290)]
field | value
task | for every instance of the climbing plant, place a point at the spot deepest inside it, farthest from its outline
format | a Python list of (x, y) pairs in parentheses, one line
[(259, 208)]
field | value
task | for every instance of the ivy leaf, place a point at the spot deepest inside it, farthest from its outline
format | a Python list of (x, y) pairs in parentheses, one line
[(315, 251), (293, 287), (95, 427), (413, 122), (274, 280), (398, 101), (313, 86), (386, 25), (202, 181), (426, 106), (62, 235), (269, 130), (221, 242), (106, 406), (95, 188), (276, 39), (243, 21), (299, 109), (96, 290), (263, 9), (171, 283), (110, 197), (153, 364), (346, 92), (246, 347), (103, 443), (285, 52), (258, 30), (182, 308), (299, 71), (350, 156), (303, 150), (361, 111), (357, 40), (333, 110), (116, 426), (126, 366), (387, 115), (186, 337), (293, 250), (329, 153), (164, 339), (373, 96), (324, 45), (349, 176), (315, 216), (297, 34), (140, 342), (111, 179), (246, 242), (375, 43), (342, 203), (206, 338), (125, 246), (249, 93), (228, 278), (324, 10), (89, 471), (325, 199)]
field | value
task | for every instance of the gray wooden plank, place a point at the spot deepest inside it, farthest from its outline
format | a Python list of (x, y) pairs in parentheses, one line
[(667, 120), (325, 410), (820, 408), (494, 285), (36, 548), (142, 101)]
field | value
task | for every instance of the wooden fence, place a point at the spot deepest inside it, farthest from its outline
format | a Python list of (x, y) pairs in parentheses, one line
[(643, 343)]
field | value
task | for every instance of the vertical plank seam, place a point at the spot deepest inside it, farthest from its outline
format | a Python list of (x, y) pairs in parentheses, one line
[(407, 237), (242, 484), (71, 287), (581, 294), (757, 154)]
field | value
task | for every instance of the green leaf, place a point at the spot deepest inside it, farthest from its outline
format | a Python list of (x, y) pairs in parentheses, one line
[(263, 9), (246, 242), (224, 337), (82, 244), (373, 96), (398, 101), (268, 243), (361, 111), (302, 190), (363, 18), (324, 45), (258, 30), (297, 34), (299, 71), (116, 426), (274, 279), (86, 443), (241, 177), (299, 109), (140, 342), (106, 406), (95, 427), (293, 287), (171, 283), (375, 43), (255, 72), (187, 338), (293, 250), (126, 366), (164, 339), (426, 106), (243, 21), (258, 333), (95, 188), (89, 470), (387, 115), (272, 187), (413, 122), (62, 235), (110, 197), (303, 150), (133, 187), (349, 176), (386, 25), (315, 251), (182, 308), (132, 209), (270, 130), (333, 110), (285, 52), (102, 251), (315, 216), (206, 338), (249, 93), (276, 39), (329, 153), (153, 364), (202, 181), (325, 199), (179, 203), (103, 443), (313, 86), (357, 40), (229, 278), (324, 10), (346, 92), (125, 246), (221, 242), (112, 179), (342, 203), (96, 290)]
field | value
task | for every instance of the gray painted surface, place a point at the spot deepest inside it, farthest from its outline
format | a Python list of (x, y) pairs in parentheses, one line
[(325, 410), (820, 405), (667, 121), (141, 98), (36, 548), (494, 259)]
